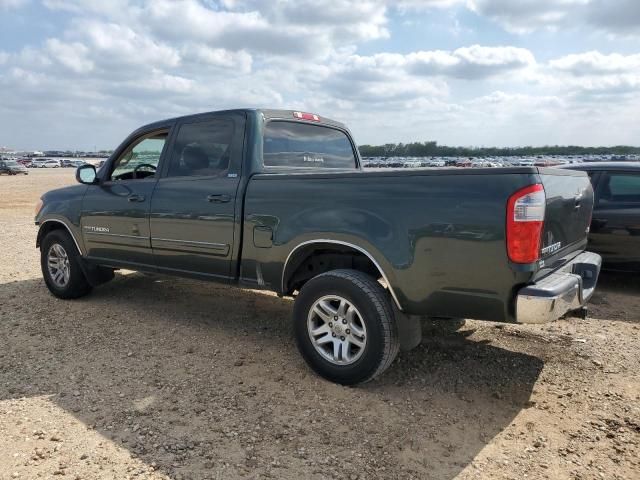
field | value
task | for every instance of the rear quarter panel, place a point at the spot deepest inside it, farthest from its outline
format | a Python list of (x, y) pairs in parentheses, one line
[(438, 235)]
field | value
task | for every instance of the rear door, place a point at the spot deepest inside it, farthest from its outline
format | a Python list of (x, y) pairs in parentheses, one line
[(568, 211), (615, 229), (194, 209)]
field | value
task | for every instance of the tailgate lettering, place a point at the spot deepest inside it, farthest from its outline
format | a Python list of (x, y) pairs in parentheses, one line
[(552, 248)]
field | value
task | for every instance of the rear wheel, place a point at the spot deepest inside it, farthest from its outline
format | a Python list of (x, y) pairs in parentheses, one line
[(344, 326), (60, 262)]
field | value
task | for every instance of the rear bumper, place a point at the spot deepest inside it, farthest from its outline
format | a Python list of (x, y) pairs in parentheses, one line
[(563, 291)]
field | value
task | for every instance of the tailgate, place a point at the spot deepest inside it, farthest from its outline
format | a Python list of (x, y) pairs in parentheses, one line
[(568, 211)]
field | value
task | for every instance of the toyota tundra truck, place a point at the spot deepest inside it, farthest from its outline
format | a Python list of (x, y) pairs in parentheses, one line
[(278, 200)]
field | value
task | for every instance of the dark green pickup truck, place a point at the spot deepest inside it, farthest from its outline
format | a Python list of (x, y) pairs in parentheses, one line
[(277, 200)]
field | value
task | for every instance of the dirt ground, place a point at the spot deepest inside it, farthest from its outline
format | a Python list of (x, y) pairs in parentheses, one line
[(154, 378)]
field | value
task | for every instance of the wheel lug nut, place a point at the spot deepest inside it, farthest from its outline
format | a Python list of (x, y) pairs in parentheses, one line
[(333, 334), (330, 324), (342, 338), (344, 320), (348, 331), (335, 318)]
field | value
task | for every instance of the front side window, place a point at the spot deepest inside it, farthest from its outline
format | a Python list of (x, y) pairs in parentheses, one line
[(141, 159), (293, 144), (619, 188)]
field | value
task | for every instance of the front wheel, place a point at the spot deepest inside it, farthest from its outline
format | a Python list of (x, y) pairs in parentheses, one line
[(60, 262), (344, 326)]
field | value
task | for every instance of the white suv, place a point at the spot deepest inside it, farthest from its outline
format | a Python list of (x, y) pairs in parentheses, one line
[(50, 164)]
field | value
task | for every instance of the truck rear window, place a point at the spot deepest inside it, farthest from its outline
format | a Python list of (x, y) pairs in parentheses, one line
[(293, 144)]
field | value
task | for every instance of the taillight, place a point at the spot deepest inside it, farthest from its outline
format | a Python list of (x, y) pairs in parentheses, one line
[(525, 219), (306, 116)]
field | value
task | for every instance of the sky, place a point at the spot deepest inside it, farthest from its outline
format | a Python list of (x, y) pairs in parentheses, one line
[(82, 74)]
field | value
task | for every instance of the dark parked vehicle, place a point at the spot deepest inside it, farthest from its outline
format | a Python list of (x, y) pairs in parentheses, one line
[(615, 228), (277, 200), (11, 167), (25, 162), (71, 163)]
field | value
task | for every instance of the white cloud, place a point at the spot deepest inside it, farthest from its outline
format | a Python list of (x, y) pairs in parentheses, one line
[(380, 74), (594, 62), (11, 4), (615, 17), (111, 66), (596, 74), (611, 85), (404, 5), (123, 45), (470, 62), (618, 17), (71, 55), (495, 102), (523, 16), (217, 57), (110, 8)]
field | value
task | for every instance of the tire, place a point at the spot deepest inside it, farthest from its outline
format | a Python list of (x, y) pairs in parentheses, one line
[(369, 313), (55, 245)]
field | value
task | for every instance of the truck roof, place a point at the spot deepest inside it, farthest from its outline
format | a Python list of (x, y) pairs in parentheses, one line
[(268, 114)]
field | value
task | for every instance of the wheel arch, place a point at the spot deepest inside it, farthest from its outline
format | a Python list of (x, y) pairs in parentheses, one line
[(52, 224), (305, 251)]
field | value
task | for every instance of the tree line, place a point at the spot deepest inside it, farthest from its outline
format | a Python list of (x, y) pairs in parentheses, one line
[(432, 149)]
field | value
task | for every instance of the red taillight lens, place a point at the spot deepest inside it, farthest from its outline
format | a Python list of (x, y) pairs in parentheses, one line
[(306, 116), (525, 219)]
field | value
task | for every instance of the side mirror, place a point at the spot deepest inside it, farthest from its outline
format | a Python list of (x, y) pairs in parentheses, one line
[(87, 174)]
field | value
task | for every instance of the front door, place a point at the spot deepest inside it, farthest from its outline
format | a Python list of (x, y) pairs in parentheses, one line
[(115, 213), (193, 209)]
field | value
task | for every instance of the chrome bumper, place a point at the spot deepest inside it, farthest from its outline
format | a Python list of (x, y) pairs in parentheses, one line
[(563, 291)]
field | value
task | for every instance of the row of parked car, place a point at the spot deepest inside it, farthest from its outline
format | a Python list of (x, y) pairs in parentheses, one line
[(51, 163), (19, 166)]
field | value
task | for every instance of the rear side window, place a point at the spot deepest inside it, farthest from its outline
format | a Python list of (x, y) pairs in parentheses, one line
[(202, 149), (619, 188), (293, 144)]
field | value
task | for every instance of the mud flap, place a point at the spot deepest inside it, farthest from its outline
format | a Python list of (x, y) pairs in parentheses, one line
[(409, 330), (96, 275)]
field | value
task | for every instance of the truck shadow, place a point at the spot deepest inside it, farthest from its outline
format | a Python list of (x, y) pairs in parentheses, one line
[(617, 297), (203, 381)]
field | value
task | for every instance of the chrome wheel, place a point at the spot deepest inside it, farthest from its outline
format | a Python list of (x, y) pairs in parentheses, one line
[(58, 265), (337, 330)]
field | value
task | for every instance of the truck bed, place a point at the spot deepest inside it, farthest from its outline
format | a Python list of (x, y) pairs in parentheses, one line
[(437, 230)]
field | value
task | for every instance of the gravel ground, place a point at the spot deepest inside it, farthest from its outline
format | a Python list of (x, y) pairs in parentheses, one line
[(152, 377)]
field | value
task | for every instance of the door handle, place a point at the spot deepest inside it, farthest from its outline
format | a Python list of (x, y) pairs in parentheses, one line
[(216, 198), (135, 198)]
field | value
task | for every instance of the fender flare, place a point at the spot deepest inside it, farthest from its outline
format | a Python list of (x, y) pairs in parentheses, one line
[(346, 244), (64, 224)]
